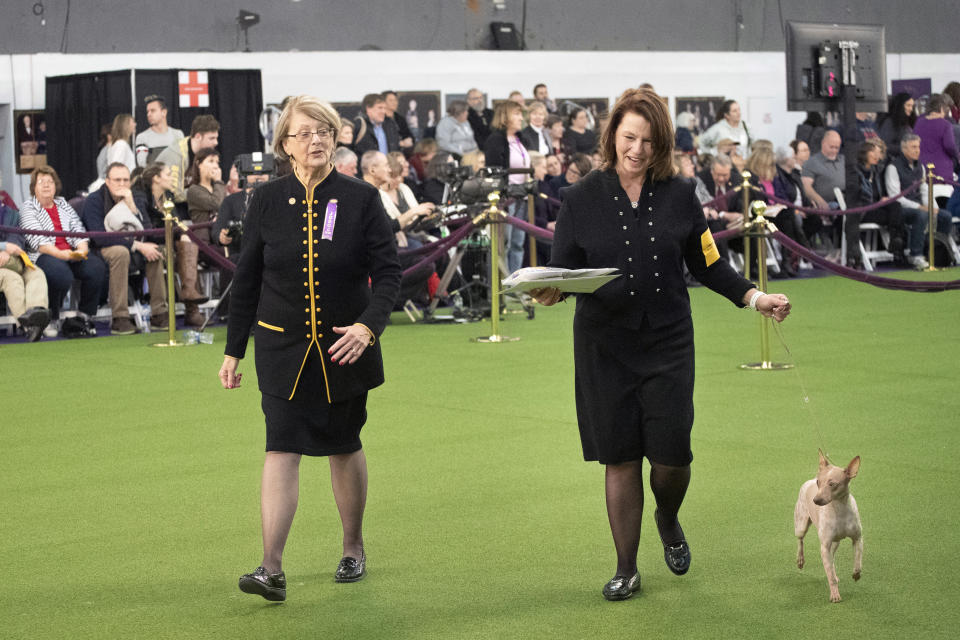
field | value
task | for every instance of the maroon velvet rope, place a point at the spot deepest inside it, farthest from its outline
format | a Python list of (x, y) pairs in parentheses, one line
[(860, 276), (533, 230), (831, 212), (454, 238), (430, 246), (209, 251)]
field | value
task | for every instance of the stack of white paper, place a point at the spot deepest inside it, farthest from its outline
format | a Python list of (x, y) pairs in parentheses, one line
[(567, 280)]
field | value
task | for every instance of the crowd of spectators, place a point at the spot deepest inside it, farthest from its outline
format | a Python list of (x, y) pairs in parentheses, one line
[(138, 174)]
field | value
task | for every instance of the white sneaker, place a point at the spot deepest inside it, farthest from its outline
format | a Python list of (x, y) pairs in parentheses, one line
[(919, 262), (51, 331)]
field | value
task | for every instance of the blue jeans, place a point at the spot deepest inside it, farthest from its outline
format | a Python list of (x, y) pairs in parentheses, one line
[(515, 236), (91, 273), (918, 219)]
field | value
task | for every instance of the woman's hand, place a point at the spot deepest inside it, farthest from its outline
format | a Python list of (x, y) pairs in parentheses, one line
[(547, 296), (353, 342), (229, 377), (774, 305), (424, 208)]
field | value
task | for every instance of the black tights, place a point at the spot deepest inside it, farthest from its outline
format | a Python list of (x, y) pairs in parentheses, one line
[(624, 490)]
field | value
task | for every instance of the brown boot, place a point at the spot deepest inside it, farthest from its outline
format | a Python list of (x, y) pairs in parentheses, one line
[(192, 316), (187, 253)]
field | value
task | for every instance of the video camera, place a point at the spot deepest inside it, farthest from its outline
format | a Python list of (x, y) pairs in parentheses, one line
[(473, 189), (258, 163)]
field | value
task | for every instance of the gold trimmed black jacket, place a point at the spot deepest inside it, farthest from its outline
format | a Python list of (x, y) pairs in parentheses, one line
[(296, 280)]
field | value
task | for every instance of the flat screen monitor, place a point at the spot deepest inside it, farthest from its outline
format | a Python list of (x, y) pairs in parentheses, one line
[(814, 65)]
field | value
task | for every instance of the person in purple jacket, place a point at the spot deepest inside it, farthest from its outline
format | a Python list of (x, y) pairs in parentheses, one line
[(937, 145)]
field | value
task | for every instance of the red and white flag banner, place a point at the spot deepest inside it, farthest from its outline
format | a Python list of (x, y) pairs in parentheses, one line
[(194, 89)]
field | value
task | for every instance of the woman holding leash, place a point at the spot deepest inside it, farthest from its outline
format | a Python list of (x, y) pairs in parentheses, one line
[(318, 276), (633, 338)]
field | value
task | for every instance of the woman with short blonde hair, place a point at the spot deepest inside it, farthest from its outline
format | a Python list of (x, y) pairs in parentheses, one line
[(317, 279)]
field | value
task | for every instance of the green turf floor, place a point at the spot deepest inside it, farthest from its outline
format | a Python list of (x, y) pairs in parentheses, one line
[(130, 487)]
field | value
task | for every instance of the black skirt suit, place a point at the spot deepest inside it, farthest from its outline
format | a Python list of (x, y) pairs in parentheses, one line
[(292, 286), (633, 337)]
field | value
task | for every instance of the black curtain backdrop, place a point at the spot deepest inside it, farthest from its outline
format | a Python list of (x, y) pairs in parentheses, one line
[(236, 100), (76, 107)]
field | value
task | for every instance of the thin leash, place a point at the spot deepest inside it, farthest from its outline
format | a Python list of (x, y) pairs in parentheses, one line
[(803, 388)]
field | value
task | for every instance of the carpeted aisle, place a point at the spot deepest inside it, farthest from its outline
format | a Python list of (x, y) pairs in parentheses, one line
[(130, 486)]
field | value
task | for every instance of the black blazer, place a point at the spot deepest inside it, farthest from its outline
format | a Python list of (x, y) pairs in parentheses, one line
[(368, 141), (96, 207), (735, 202), (297, 286), (496, 150), (597, 227), (232, 209), (531, 139), (480, 123)]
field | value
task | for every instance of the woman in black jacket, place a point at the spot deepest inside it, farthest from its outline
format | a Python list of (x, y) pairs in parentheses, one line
[(864, 188), (317, 279), (897, 122), (633, 337)]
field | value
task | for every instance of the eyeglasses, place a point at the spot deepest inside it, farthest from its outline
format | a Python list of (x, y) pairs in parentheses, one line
[(306, 136)]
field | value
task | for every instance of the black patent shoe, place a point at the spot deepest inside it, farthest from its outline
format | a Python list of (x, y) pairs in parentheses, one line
[(272, 586), (621, 587), (350, 569), (677, 553)]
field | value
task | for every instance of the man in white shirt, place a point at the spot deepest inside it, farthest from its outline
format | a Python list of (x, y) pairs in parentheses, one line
[(159, 136)]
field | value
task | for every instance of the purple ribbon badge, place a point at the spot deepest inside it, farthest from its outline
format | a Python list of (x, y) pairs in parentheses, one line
[(329, 220)]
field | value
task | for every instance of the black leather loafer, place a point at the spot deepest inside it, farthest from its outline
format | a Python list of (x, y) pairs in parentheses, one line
[(272, 586), (350, 569), (621, 587), (677, 553)]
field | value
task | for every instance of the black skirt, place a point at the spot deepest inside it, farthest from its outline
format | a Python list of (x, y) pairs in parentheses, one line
[(634, 391), (310, 425)]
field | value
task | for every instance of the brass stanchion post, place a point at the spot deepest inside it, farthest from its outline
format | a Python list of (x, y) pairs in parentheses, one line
[(532, 219), (168, 220), (745, 194), (931, 217), (758, 228), (493, 216)]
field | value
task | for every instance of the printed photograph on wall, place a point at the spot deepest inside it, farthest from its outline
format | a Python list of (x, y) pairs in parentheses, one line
[(421, 109), (31, 140), (703, 109), (347, 110)]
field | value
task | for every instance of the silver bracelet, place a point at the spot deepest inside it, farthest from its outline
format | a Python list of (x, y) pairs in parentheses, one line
[(753, 299)]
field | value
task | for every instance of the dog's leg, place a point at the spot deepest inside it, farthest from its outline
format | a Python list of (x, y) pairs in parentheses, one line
[(801, 522), (826, 555), (857, 556)]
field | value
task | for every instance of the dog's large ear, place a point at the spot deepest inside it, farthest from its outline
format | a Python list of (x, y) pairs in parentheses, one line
[(824, 463), (853, 468)]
